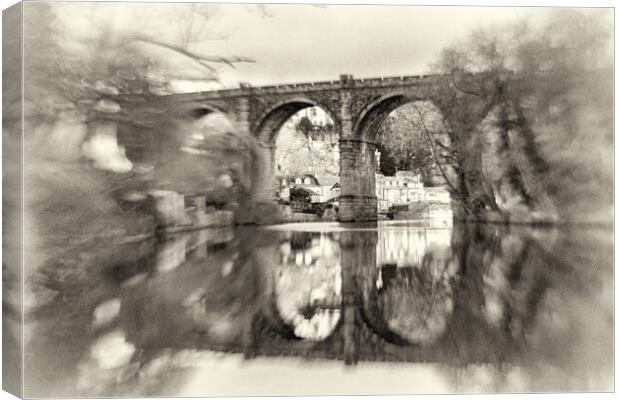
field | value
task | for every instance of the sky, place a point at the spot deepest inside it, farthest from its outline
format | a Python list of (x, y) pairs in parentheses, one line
[(300, 43)]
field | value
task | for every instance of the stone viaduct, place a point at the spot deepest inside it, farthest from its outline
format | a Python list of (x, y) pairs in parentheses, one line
[(357, 107)]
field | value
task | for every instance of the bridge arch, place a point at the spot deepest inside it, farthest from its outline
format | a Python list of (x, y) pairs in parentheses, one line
[(266, 132), (272, 120), (359, 161), (372, 116)]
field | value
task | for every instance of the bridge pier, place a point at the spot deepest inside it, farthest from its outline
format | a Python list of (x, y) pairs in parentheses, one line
[(264, 170), (265, 211), (358, 199)]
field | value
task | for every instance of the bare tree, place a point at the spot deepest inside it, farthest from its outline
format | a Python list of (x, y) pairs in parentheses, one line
[(529, 82), (105, 70)]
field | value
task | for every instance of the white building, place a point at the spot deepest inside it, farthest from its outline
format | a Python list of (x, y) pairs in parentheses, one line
[(404, 188)]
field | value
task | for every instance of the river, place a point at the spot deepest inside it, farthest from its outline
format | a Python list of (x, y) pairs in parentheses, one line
[(385, 308)]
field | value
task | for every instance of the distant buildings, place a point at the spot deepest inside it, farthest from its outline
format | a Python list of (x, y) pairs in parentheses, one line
[(404, 188), (318, 191)]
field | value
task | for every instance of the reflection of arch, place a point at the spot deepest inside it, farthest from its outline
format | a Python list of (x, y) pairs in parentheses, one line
[(409, 305), (274, 321), (371, 117), (272, 120), (308, 299), (371, 315)]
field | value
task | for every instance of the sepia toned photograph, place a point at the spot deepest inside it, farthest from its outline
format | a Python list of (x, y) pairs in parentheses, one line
[(206, 199)]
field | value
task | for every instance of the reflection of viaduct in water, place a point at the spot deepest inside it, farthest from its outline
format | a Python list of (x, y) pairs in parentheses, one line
[(225, 298), (357, 107), (368, 327)]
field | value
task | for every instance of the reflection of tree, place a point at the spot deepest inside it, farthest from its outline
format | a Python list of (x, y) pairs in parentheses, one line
[(11, 332), (477, 301), (243, 298), (68, 289), (513, 282), (416, 302), (206, 302), (528, 287)]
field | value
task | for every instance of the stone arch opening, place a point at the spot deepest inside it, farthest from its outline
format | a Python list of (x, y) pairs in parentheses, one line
[(405, 149), (358, 200), (206, 122), (193, 123), (367, 125), (204, 160), (371, 117), (273, 120), (298, 140)]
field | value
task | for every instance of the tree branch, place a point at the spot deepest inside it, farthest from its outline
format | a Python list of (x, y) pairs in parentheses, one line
[(439, 164), (202, 59)]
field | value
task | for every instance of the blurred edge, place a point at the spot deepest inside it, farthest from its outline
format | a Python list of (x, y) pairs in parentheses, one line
[(12, 202)]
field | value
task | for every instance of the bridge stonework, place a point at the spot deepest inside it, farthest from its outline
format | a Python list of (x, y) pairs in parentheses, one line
[(358, 200), (356, 106)]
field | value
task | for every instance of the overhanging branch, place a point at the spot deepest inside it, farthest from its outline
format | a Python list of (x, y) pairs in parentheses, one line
[(201, 59)]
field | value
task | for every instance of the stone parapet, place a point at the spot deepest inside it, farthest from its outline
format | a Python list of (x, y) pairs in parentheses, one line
[(345, 81)]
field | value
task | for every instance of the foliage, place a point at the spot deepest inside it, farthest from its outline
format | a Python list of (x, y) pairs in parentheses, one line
[(89, 60), (96, 70), (295, 155), (304, 125), (407, 137), (533, 98)]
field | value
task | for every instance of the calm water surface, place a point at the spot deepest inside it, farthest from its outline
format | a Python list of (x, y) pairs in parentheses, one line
[(387, 308)]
